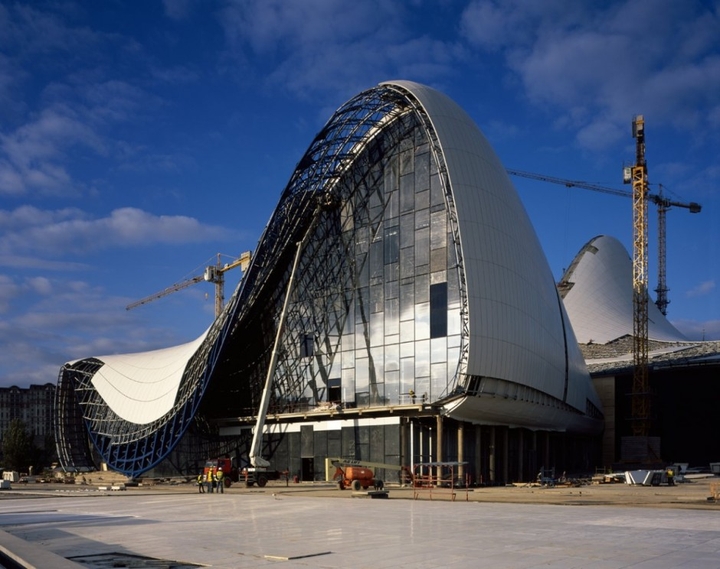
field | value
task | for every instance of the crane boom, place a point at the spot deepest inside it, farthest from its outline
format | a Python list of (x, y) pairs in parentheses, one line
[(213, 273), (663, 204), (173, 288)]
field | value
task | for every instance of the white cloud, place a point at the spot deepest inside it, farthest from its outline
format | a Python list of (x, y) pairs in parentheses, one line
[(332, 47), (699, 329), (600, 64), (177, 9), (703, 289), (9, 289), (72, 231)]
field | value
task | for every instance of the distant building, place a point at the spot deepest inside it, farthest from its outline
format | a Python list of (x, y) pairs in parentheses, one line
[(33, 405), (684, 375)]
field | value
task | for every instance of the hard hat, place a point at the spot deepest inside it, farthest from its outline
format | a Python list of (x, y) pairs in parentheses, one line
[(220, 469)]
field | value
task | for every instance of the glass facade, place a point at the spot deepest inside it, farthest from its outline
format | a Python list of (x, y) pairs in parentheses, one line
[(374, 307), (364, 247)]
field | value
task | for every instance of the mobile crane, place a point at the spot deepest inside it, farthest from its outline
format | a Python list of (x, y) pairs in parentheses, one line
[(259, 470)]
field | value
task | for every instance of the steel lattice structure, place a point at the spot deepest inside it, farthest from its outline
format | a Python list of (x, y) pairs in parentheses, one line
[(419, 276), (346, 165)]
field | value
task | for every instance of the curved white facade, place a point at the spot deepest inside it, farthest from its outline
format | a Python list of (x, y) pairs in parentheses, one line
[(418, 275), (519, 331), (599, 296)]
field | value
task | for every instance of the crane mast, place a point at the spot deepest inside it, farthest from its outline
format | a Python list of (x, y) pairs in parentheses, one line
[(640, 396), (663, 205)]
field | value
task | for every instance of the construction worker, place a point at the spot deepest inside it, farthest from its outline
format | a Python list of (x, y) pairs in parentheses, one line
[(210, 480), (201, 483), (220, 481), (671, 476)]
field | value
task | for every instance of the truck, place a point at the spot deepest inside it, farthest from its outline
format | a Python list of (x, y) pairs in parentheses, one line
[(230, 473)]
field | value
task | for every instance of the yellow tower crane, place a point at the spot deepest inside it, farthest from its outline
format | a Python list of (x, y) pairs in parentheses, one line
[(213, 273), (638, 177), (663, 205)]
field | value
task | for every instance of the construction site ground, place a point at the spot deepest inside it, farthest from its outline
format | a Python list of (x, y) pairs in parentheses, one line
[(170, 524), (694, 492)]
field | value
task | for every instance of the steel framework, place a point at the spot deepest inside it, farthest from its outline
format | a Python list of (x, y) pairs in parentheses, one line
[(352, 270)]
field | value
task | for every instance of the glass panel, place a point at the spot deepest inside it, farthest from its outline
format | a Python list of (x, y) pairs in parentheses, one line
[(422, 321), (437, 197), (437, 260), (376, 261), (392, 211), (407, 230), (407, 330), (362, 375), (422, 200), (348, 385), (407, 193), (392, 387), (438, 380), (406, 162), (392, 316), (422, 358), (377, 335), (378, 361), (392, 358), (407, 349), (438, 310), (392, 289), (348, 359), (438, 230), (438, 350), (454, 323), (376, 297), (407, 375), (422, 288), (391, 174), (392, 245), (422, 247), (407, 263), (422, 387), (422, 218), (422, 171), (407, 302)]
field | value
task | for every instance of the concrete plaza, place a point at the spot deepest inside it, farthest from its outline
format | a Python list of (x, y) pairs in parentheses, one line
[(322, 527)]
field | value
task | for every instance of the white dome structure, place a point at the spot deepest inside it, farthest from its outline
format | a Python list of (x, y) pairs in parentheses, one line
[(598, 296)]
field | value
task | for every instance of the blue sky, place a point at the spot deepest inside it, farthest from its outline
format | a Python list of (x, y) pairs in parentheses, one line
[(140, 139)]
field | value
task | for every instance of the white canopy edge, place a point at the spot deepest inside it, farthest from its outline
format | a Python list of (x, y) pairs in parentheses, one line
[(142, 387)]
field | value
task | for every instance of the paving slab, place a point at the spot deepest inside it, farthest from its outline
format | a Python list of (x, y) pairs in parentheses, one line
[(319, 526)]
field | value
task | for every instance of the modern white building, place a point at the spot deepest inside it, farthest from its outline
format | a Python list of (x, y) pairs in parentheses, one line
[(598, 296), (422, 322)]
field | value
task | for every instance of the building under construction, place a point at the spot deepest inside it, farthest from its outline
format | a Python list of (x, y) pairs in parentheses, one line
[(398, 309)]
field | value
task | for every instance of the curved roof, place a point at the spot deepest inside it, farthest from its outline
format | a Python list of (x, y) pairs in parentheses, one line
[(514, 339), (140, 388), (519, 331), (598, 295)]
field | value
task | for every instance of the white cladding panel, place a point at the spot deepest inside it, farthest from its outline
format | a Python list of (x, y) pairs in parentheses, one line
[(516, 318), (142, 387), (600, 302)]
